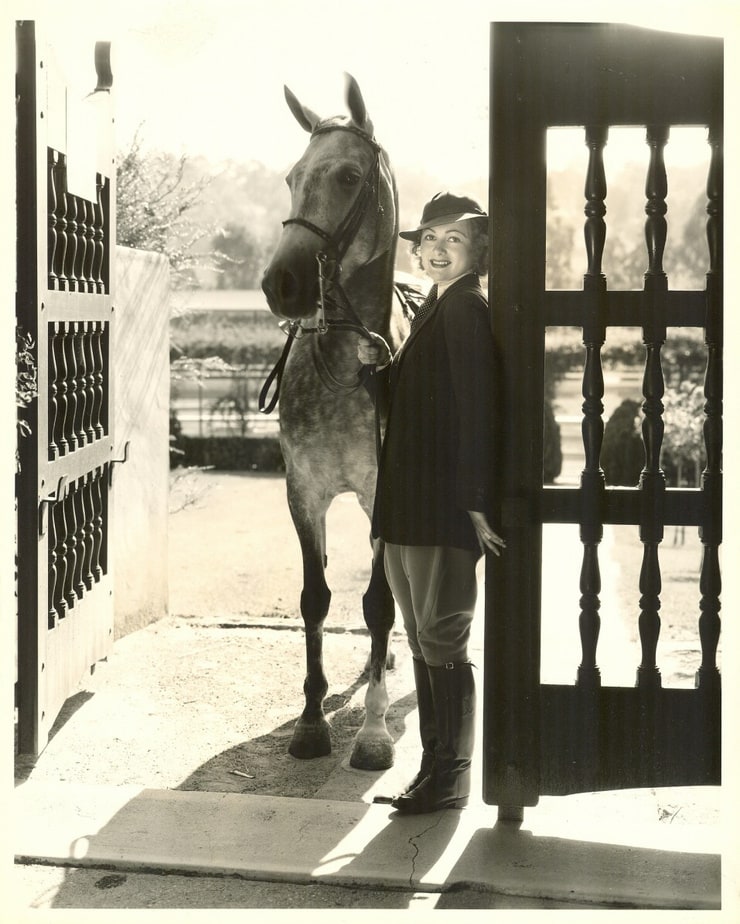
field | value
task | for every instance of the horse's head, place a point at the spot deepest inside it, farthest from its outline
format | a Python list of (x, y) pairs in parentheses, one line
[(343, 206)]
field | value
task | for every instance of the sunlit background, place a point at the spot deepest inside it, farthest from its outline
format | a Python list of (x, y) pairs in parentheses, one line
[(206, 76)]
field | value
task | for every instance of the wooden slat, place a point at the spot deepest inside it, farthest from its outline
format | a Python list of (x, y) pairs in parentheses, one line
[(629, 81), (621, 738), (683, 506), (625, 309)]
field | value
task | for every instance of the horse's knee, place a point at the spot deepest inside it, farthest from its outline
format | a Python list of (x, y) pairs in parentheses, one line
[(377, 605), (315, 601)]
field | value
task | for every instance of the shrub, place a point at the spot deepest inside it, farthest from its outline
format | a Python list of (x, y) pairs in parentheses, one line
[(230, 453), (622, 452)]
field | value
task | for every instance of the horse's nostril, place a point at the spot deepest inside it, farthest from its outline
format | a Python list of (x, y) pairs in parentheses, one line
[(280, 287), (287, 286)]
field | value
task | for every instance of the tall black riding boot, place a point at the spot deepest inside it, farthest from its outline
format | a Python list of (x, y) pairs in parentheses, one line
[(427, 721), (427, 725), (448, 785)]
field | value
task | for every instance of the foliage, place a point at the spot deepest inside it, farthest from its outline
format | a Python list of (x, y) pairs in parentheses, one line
[(197, 368), (155, 209), (683, 355), (683, 440), (622, 452), (238, 339), (682, 448), (232, 453), (239, 257), (560, 245)]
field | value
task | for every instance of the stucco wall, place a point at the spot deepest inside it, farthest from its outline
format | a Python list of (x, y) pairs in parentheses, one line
[(141, 416)]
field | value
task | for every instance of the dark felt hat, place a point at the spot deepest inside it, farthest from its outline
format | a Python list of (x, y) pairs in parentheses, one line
[(443, 209)]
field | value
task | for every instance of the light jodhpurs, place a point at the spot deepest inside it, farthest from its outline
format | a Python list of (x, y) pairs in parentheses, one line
[(436, 589)]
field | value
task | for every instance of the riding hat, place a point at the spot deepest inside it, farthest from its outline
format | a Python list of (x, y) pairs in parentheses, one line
[(443, 209)]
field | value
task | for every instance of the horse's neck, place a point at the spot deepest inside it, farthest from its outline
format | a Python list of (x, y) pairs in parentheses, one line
[(370, 290)]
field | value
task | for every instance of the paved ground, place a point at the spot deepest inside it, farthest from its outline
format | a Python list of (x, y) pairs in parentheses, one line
[(192, 714)]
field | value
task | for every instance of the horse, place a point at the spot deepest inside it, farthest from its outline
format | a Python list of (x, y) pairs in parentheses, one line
[(330, 279)]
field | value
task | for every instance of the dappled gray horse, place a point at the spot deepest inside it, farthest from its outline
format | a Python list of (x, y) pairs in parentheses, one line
[(330, 280)]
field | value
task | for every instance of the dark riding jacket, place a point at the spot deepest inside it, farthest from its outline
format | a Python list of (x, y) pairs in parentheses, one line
[(437, 455)]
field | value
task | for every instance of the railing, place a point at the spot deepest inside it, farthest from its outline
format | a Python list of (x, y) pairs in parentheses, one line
[(223, 404)]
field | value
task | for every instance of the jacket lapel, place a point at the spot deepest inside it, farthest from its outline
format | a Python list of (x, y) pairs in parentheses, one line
[(464, 281)]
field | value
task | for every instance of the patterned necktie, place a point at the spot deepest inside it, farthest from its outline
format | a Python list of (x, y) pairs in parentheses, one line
[(426, 306)]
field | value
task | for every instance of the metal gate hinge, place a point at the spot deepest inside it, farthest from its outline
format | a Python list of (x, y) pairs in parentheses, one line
[(50, 499)]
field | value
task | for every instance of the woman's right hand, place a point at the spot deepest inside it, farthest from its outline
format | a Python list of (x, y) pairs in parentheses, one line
[(374, 352)]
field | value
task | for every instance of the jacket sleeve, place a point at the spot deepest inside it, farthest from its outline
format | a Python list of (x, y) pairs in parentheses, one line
[(471, 360), (377, 384)]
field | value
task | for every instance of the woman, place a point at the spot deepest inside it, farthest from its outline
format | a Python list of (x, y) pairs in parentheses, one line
[(434, 490)]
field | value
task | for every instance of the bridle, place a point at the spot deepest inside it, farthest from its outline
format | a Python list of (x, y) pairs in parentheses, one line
[(329, 268), (339, 242)]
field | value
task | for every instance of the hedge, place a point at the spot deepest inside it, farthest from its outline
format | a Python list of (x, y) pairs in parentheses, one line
[(228, 453)]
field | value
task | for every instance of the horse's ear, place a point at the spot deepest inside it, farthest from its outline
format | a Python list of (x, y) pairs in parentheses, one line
[(306, 117), (357, 106)]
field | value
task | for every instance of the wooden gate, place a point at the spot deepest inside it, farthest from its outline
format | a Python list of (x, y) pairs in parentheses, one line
[(65, 234), (548, 738)]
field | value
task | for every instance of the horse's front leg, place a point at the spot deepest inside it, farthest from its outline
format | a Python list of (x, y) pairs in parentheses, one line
[(311, 734), (373, 745)]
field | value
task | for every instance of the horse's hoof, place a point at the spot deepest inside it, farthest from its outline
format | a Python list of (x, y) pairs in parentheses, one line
[(310, 741), (374, 753)]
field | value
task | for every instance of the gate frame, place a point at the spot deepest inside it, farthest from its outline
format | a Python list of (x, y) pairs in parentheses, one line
[(519, 710), (7, 353), (51, 662)]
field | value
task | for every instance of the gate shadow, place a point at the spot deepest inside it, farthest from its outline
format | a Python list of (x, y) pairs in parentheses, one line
[(24, 763)]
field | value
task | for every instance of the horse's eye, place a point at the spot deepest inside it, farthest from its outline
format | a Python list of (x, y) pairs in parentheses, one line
[(349, 178)]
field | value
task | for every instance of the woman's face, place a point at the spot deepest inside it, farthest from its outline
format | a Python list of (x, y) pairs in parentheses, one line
[(446, 251)]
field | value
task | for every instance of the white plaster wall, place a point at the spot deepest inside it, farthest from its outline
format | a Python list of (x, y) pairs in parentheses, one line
[(141, 416)]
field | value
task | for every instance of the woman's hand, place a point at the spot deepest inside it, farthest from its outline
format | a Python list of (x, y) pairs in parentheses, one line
[(486, 536), (375, 352)]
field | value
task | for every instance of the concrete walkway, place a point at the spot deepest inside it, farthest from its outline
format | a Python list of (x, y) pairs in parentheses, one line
[(578, 849), (648, 849)]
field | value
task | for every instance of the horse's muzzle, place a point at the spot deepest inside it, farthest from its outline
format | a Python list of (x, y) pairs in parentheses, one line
[(291, 292)]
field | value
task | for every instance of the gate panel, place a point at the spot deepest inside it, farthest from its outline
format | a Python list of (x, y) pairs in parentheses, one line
[(65, 195), (555, 739)]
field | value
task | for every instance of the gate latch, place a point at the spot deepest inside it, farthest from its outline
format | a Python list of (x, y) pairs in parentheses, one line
[(115, 462), (50, 499)]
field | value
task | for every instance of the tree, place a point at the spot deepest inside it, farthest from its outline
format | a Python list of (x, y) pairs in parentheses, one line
[(687, 260), (560, 247), (683, 439), (155, 204), (238, 257)]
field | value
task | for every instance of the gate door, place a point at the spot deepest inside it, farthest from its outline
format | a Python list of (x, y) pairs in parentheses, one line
[(65, 199), (550, 738)]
